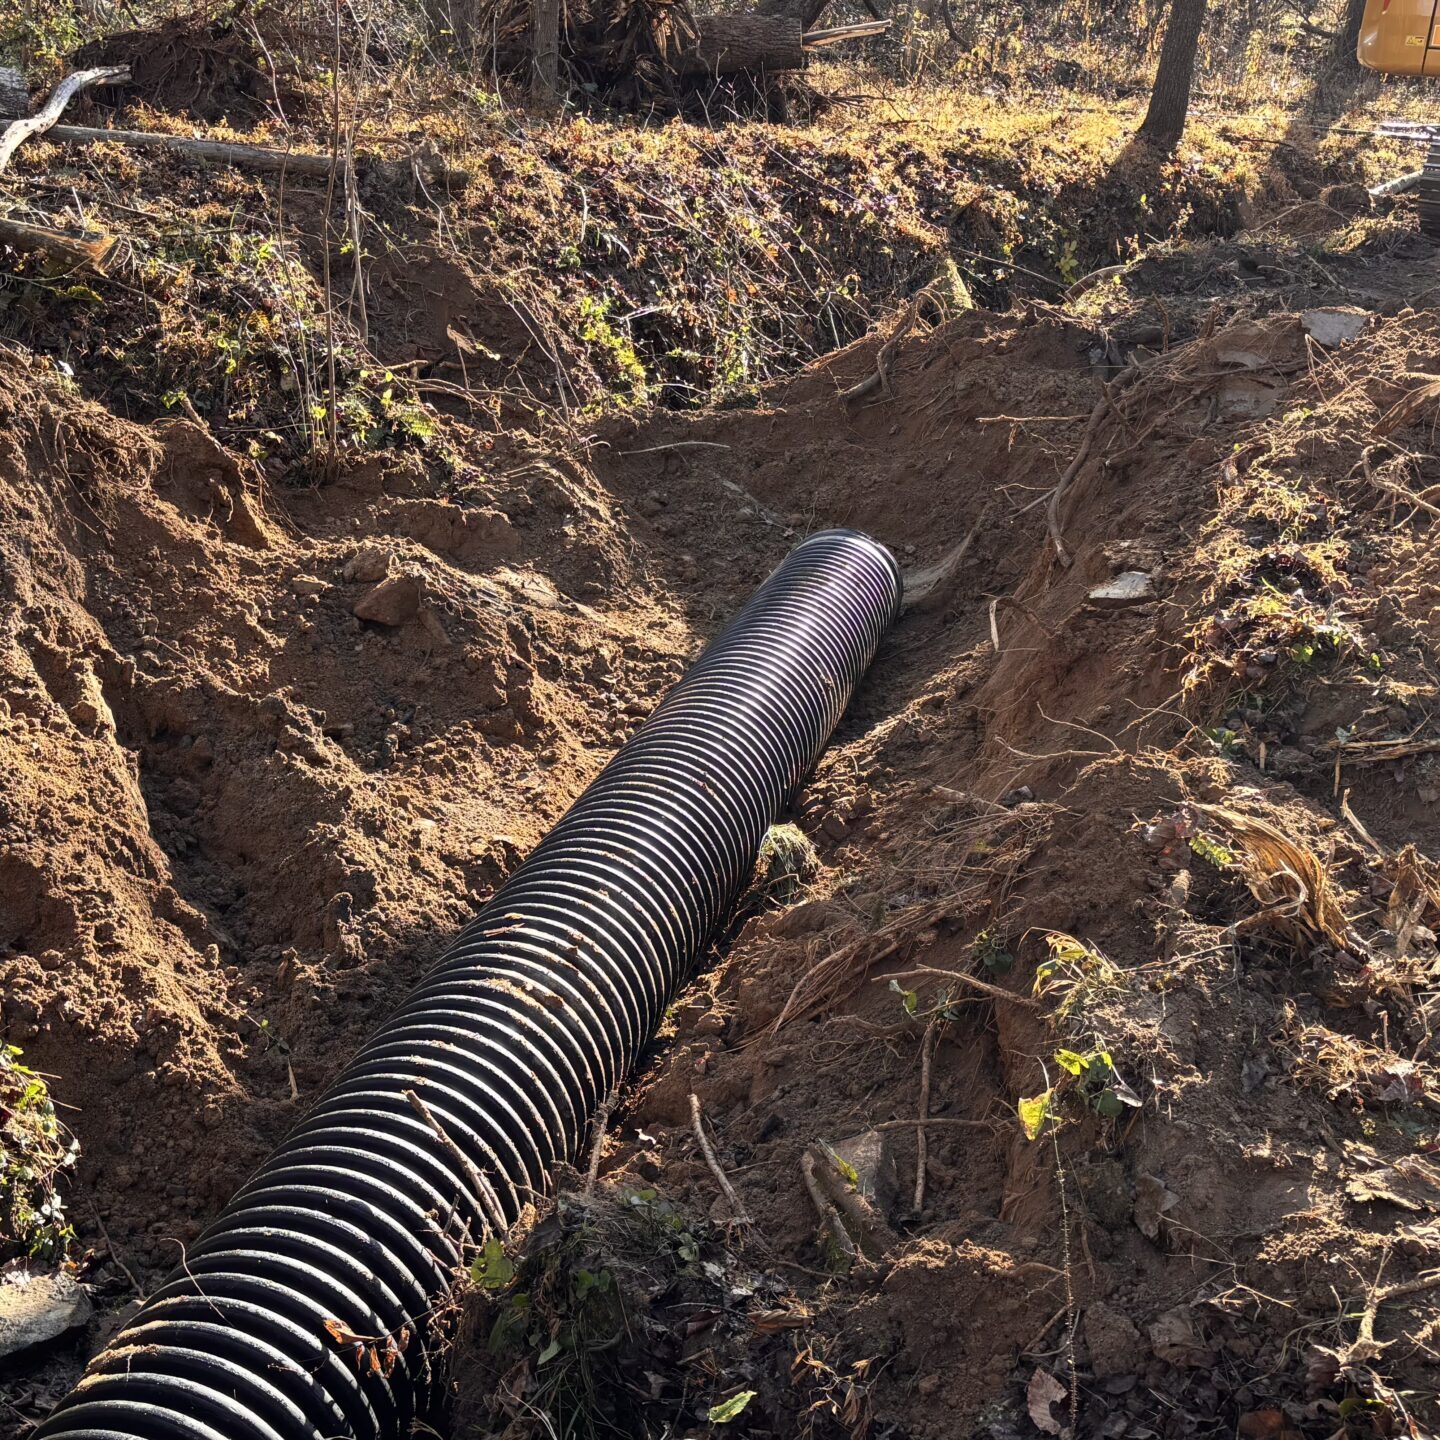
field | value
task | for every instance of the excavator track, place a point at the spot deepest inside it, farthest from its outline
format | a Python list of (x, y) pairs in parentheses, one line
[(1427, 192)]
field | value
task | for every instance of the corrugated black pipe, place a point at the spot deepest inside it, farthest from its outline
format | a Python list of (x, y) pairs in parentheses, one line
[(454, 1113)]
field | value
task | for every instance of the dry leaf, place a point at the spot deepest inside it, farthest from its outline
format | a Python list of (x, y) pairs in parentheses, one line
[(1153, 1200), (1270, 1423), (1043, 1391)]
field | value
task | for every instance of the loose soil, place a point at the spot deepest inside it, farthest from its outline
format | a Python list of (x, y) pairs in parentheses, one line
[(239, 818)]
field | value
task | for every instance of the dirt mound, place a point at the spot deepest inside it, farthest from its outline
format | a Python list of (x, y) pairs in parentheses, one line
[(239, 815), (1025, 882)]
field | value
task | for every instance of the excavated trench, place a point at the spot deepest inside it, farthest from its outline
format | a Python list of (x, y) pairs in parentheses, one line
[(288, 807)]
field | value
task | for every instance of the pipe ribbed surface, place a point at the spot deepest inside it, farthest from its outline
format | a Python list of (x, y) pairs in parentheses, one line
[(465, 1098)]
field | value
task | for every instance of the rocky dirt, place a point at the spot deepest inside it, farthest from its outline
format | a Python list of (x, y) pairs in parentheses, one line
[(1149, 772)]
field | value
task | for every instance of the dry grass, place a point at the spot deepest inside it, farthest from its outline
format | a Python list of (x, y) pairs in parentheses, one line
[(1297, 895)]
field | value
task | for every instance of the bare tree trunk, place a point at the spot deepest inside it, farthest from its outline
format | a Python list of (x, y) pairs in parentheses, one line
[(1170, 100), (545, 51), (1347, 38)]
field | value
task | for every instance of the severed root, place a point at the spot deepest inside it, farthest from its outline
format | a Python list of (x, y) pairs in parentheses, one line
[(848, 1201), (737, 1207)]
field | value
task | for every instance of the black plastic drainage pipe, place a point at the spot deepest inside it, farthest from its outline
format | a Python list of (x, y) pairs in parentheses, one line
[(457, 1109)]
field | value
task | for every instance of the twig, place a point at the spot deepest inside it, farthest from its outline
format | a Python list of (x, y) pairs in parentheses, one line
[(708, 1151), (984, 986), (114, 1253), (597, 1145), (484, 1191), (17, 132), (922, 1140)]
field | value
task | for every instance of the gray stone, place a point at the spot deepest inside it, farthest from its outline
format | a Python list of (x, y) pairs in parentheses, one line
[(1332, 328), (1133, 587), (37, 1307)]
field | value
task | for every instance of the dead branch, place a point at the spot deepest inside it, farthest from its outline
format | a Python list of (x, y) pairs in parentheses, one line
[(597, 1145), (19, 131), (880, 380), (257, 157), (930, 1121), (484, 1191), (1057, 495), (983, 986), (922, 1140)]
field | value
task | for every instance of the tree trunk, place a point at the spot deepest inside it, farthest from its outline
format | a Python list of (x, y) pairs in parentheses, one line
[(728, 44), (807, 12), (545, 51), (1170, 99), (1347, 38)]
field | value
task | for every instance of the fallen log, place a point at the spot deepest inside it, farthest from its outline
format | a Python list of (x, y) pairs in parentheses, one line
[(729, 44), (252, 157), (78, 249), (19, 131)]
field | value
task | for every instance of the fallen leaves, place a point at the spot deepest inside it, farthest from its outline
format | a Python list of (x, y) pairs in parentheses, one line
[(1042, 1393)]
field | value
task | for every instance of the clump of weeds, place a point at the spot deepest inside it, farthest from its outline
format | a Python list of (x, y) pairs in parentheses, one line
[(35, 1152)]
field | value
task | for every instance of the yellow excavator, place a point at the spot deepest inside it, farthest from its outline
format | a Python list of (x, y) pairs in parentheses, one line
[(1402, 37)]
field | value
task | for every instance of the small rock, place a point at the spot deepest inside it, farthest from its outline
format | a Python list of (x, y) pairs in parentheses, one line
[(391, 602), (37, 1307), (368, 564), (1132, 587), (308, 585)]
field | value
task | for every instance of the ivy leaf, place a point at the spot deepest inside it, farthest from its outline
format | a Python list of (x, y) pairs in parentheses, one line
[(491, 1268), (728, 1410), (1071, 1061), (1034, 1111), (909, 998)]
